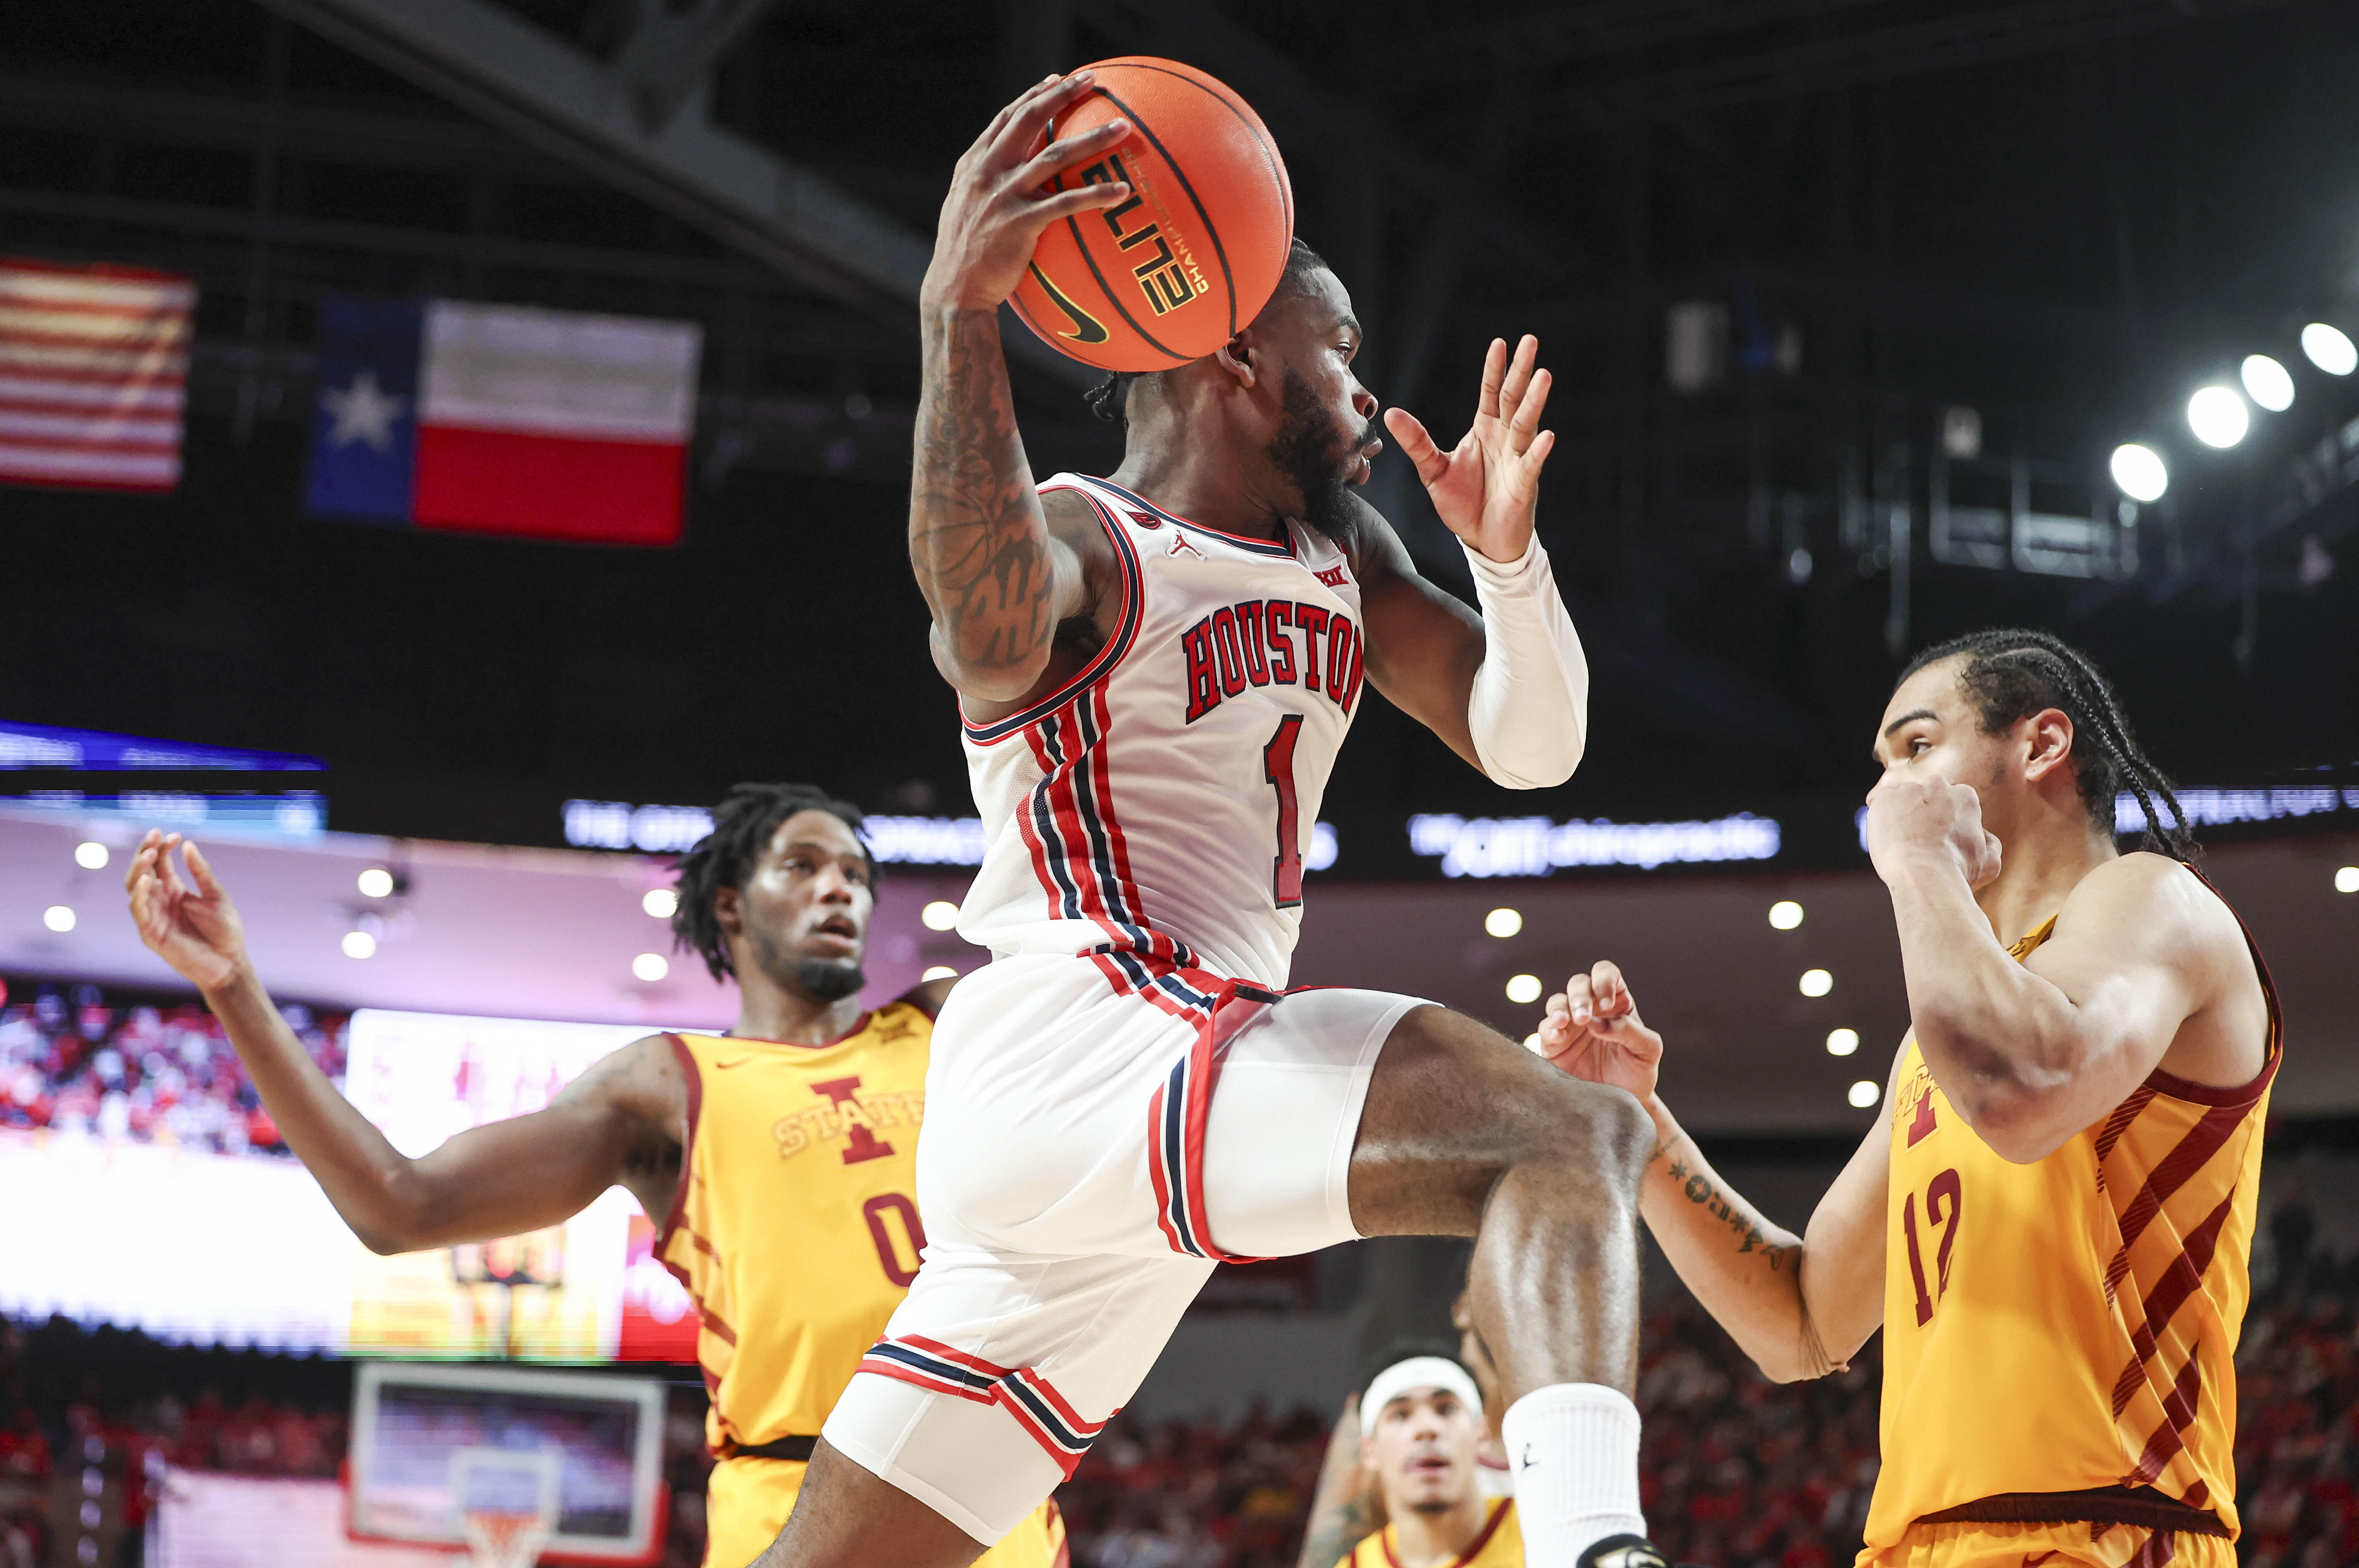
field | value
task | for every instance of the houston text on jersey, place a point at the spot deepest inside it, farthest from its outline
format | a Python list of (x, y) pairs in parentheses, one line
[(1254, 644)]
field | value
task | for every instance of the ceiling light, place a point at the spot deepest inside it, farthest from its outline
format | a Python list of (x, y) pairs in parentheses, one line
[(1865, 1093), (359, 944), (2139, 471), (1532, 1043), (660, 902), (1524, 988), (650, 967), (1841, 1041), (1816, 982), (376, 882), (1785, 914), (2218, 416), (939, 972), (940, 915), (2267, 383), (1504, 922), (2329, 349), (91, 855), (58, 918), (2346, 880)]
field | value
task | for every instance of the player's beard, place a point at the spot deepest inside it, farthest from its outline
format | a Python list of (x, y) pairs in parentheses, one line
[(1311, 450), (822, 979)]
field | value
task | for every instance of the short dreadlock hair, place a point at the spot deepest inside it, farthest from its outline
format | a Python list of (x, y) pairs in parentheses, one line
[(1109, 398), (742, 825), (2011, 673)]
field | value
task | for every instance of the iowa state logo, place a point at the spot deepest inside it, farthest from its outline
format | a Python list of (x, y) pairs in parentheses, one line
[(1913, 1106)]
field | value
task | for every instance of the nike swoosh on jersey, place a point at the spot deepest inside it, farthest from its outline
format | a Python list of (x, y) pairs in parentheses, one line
[(1086, 328), (739, 1063)]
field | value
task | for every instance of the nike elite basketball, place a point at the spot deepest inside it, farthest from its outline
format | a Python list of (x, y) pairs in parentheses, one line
[(1172, 273)]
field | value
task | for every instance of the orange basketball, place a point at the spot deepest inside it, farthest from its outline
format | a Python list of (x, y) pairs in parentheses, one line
[(1196, 251)]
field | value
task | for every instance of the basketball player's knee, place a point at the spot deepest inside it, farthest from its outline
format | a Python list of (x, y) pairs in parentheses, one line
[(1599, 1132)]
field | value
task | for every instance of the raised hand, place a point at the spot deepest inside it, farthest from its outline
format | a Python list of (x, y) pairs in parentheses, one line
[(1911, 821), (996, 208), (1487, 487), (1592, 1030), (190, 925)]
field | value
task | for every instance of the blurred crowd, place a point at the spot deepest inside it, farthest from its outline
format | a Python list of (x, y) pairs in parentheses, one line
[(165, 1072), (1737, 1471)]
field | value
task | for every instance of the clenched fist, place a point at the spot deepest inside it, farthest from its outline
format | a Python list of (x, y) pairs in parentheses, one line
[(1910, 820)]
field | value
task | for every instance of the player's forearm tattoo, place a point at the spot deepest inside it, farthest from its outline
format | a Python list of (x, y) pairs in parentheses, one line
[(977, 540), (1334, 1529), (1697, 1188)]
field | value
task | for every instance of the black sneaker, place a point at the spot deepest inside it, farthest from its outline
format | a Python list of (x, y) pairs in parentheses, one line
[(1626, 1551)]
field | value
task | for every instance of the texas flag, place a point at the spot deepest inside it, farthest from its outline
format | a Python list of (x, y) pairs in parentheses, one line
[(504, 419)]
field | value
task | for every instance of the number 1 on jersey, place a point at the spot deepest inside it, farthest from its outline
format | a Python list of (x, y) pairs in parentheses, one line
[(1277, 767)]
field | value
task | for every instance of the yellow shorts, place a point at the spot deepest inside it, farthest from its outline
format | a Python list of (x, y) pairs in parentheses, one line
[(2049, 1546), (746, 1502)]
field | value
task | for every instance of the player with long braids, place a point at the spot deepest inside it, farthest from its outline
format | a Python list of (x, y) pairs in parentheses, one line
[(779, 1158), (2051, 1219)]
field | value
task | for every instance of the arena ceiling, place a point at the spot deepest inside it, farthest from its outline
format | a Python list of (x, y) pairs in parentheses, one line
[(1831, 222)]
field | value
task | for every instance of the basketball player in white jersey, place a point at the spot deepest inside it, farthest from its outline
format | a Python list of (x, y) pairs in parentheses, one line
[(1156, 671)]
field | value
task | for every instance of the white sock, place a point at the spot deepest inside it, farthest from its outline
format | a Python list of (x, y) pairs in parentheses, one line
[(1573, 1449)]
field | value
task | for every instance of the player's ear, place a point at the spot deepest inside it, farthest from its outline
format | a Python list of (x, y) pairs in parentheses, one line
[(1240, 357), (2051, 741), (727, 913)]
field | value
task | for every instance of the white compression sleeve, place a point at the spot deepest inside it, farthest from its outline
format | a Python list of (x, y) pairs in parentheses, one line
[(1529, 709)]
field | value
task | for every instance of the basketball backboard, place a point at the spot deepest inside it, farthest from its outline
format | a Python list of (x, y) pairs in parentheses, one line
[(431, 1444)]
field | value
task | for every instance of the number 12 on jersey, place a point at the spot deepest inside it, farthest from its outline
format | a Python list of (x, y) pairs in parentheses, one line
[(1944, 1197)]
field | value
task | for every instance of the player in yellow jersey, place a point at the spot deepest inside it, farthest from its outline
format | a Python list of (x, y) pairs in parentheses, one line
[(1418, 1468), (2052, 1218), (779, 1158)]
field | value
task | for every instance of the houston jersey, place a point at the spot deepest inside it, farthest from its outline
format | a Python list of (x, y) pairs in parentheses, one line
[(1156, 810), (2069, 1325), (1500, 1544), (795, 1229)]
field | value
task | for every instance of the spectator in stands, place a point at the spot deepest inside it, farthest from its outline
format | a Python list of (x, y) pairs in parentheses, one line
[(2293, 1231)]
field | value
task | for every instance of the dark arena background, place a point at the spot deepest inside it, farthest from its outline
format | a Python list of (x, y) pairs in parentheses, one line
[(1873, 321)]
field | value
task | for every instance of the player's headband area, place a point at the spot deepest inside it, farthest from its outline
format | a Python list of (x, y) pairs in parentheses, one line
[(1418, 1372)]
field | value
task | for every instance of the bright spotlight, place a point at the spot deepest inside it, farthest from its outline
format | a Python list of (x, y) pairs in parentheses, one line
[(1864, 1094), (1816, 983), (1841, 1041), (1532, 1043), (2140, 471), (359, 944), (2267, 383), (2329, 349), (650, 967), (91, 855), (1785, 914), (60, 919), (939, 972), (660, 902), (2346, 880), (940, 915), (376, 882), (2217, 416), (1524, 988), (1504, 922)]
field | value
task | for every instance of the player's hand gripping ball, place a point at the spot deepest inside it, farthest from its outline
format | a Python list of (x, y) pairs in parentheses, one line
[(1196, 251)]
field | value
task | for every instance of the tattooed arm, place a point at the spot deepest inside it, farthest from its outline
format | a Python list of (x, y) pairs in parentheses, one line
[(1801, 1306), (997, 572), (1347, 1508)]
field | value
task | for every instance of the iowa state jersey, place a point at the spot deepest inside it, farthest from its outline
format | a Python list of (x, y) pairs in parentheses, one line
[(1157, 808), (1500, 1544), (795, 1228), (2072, 1323)]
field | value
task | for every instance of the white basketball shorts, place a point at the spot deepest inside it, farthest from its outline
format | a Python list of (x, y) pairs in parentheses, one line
[(1099, 1133)]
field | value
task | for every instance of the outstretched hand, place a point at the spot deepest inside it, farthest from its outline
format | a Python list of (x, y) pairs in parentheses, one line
[(1592, 1030), (998, 204), (190, 925), (1486, 489)]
